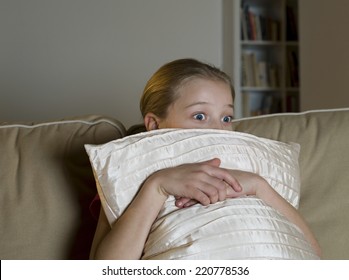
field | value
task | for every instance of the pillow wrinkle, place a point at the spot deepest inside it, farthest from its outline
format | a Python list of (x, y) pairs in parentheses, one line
[(217, 213)]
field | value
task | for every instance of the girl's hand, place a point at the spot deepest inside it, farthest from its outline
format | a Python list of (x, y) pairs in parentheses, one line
[(249, 182), (204, 182)]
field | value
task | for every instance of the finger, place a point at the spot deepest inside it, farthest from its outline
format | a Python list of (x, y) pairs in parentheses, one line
[(204, 189), (190, 203), (231, 193), (213, 162), (224, 175), (233, 182), (211, 186), (181, 201), (202, 199), (215, 189), (184, 202), (191, 191)]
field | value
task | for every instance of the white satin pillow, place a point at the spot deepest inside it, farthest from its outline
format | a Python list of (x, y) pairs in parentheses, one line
[(234, 229)]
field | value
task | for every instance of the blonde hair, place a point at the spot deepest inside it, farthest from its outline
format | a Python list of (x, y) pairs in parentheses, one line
[(162, 88)]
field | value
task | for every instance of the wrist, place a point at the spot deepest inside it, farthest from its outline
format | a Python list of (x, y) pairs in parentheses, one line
[(154, 185), (263, 189)]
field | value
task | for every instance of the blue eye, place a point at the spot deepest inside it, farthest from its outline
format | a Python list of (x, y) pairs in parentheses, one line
[(200, 117), (227, 119)]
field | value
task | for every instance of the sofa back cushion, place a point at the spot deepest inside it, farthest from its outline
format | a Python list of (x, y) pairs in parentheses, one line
[(324, 167), (46, 185)]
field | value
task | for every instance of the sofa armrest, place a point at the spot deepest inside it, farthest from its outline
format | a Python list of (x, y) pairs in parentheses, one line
[(46, 185)]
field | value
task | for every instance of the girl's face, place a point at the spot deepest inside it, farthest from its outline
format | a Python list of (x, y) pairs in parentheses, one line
[(201, 104)]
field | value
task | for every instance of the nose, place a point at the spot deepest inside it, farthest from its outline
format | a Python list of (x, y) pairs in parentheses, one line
[(216, 124)]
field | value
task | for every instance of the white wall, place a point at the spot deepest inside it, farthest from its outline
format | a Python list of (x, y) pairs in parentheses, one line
[(324, 54), (63, 58)]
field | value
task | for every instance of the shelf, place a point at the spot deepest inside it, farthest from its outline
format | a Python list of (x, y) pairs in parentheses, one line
[(266, 57), (261, 89), (260, 43)]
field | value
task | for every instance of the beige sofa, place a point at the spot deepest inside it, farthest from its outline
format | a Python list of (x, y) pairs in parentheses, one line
[(46, 181)]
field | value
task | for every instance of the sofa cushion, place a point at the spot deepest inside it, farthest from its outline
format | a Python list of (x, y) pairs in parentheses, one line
[(248, 227), (324, 164), (46, 185)]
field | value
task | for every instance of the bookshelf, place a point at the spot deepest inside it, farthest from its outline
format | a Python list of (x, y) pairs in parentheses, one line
[(266, 57)]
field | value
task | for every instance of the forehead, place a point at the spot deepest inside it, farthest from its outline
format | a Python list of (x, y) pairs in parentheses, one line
[(200, 89)]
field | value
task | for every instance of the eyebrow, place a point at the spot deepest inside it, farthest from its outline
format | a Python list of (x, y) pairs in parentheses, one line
[(205, 103)]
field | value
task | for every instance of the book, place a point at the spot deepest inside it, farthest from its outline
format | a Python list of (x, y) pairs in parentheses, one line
[(257, 103), (248, 69), (293, 68), (252, 23), (273, 75), (252, 103), (246, 23), (244, 29), (263, 79), (291, 24), (256, 26), (292, 103), (244, 78)]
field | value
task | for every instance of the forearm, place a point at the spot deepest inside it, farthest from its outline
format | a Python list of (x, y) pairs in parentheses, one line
[(202, 182), (127, 236), (265, 192)]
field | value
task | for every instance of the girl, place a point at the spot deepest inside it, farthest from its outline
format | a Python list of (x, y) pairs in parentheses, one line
[(185, 93)]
